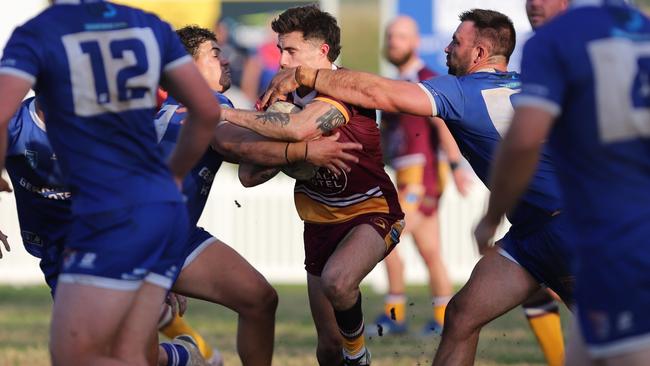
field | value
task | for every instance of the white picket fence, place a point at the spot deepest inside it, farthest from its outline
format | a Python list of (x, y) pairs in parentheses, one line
[(261, 223)]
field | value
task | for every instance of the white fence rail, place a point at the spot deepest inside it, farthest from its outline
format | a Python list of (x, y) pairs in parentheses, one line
[(261, 223)]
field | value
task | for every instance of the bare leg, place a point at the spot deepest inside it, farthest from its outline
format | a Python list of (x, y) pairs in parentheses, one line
[(427, 239), (120, 336), (328, 351), (220, 275), (495, 286)]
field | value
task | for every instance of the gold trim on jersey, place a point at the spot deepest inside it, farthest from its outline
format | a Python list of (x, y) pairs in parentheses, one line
[(344, 111), (320, 213)]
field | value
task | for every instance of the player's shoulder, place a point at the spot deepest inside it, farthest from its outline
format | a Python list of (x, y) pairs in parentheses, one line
[(223, 100)]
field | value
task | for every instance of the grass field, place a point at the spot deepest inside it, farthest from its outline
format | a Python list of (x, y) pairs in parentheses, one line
[(24, 319)]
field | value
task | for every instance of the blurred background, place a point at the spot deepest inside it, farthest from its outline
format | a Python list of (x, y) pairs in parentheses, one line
[(261, 222)]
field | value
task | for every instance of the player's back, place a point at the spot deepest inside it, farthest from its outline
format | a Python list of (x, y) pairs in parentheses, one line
[(198, 182), (603, 132), (97, 67), (43, 203), (478, 110)]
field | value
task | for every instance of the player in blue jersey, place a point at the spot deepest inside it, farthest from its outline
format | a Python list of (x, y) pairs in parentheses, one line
[(586, 87), (43, 205), (213, 271), (475, 104), (96, 66)]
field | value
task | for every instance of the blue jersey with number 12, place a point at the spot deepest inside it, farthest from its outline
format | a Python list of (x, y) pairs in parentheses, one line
[(97, 66), (597, 80)]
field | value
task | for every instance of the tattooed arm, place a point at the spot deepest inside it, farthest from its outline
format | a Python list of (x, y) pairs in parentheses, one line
[(316, 119)]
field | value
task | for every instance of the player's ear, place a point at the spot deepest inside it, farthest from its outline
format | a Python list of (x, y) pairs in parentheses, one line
[(481, 52), (324, 49)]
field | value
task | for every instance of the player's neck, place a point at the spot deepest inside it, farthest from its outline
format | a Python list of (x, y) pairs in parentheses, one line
[(494, 64), (39, 111)]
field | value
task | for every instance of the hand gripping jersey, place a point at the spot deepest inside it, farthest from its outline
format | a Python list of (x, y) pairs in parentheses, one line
[(198, 182), (96, 67), (328, 199), (477, 109), (43, 203), (591, 69)]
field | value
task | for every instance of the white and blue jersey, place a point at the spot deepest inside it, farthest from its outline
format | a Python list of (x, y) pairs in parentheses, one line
[(42, 201), (478, 110), (590, 68), (198, 181), (97, 66)]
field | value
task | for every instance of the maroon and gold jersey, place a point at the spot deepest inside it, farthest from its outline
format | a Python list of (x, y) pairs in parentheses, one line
[(411, 147), (327, 198)]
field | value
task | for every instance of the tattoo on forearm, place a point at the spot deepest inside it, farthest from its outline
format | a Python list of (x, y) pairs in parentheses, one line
[(276, 118), (332, 119)]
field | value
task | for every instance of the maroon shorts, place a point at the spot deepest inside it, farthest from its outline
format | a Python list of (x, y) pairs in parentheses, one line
[(322, 239)]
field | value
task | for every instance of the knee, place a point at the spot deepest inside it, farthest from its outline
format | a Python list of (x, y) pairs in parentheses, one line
[(458, 317), (338, 288)]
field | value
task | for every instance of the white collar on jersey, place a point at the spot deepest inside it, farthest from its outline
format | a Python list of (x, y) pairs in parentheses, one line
[(32, 112), (580, 3), (74, 2), (303, 101), (412, 73)]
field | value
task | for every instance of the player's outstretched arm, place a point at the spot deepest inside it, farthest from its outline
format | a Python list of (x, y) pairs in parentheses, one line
[(353, 87), (514, 165), (241, 145), (186, 85), (13, 89), (316, 119)]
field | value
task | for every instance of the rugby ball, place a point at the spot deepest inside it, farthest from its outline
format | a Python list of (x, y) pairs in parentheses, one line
[(301, 170)]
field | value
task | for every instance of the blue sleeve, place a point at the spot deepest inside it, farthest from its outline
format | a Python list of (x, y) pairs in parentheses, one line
[(16, 144), (22, 56), (543, 78), (224, 101), (446, 96)]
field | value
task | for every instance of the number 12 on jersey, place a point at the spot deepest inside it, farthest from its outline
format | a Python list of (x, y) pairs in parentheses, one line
[(113, 71)]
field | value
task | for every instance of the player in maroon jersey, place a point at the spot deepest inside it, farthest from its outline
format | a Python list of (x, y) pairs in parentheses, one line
[(353, 219), (411, 148)]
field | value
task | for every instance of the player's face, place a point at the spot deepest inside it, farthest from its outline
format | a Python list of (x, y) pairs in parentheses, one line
[(401, 43), (462, 49), (296, 51), (541, 11), (214, 68)]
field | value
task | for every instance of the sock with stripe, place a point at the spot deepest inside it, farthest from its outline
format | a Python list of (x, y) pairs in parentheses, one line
[(439, 306), (177, 355), (544, 320), (351, 326), (395, 307), (177, 326)]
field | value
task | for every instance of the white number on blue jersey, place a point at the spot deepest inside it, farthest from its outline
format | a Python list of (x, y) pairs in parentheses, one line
[(113, 71), (499, 107), (163, 118), (618, 80)]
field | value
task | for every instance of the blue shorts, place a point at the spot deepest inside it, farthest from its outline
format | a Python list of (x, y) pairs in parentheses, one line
[(119, 249), (47, 243), (199, 240), (613, 296), (545, 252)]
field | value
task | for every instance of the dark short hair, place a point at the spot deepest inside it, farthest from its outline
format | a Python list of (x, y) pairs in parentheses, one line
[(314, 24), (192, 36), (494, 27)]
